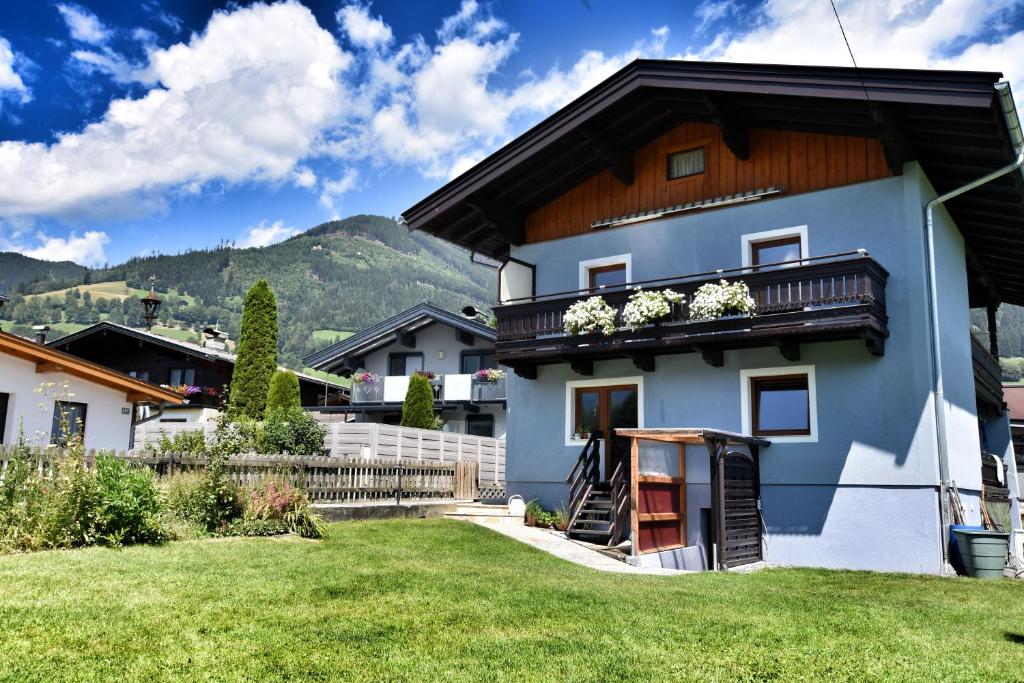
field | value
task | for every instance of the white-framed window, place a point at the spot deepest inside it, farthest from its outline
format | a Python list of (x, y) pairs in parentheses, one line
[(604, 403), (780, 404), (773, 246), (609, 271)]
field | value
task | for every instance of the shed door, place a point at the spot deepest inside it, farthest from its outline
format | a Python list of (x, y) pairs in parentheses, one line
[(742, 544)]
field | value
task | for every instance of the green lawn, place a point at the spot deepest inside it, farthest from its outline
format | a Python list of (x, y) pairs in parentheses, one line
[(443, 600)]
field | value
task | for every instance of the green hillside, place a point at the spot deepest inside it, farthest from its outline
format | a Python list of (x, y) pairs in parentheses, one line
[(338, 277), (17, 270)]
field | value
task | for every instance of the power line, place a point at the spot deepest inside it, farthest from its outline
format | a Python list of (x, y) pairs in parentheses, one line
[(849, 49)]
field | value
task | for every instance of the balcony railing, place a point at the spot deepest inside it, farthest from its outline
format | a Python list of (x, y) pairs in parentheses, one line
[(447, 389), (839, 296)]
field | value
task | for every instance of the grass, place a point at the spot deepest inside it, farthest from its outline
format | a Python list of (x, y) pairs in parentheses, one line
[(116, 289), (432, 600), (330, 336)]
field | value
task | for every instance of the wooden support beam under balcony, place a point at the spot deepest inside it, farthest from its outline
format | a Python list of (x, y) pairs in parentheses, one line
[(824, 298)]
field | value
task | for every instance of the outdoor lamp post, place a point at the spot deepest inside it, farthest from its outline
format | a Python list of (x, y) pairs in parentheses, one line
[(150, 306)]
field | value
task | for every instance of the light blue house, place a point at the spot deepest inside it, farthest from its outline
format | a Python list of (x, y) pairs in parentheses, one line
[(815, 188)]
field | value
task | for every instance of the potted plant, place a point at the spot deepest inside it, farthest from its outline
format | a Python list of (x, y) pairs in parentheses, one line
[(589, 316), (715, 300), (366, 386), (645, 308), (489, 384)]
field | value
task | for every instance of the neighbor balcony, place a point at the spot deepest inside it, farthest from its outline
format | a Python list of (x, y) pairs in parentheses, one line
[(460, 388), (833, 297)]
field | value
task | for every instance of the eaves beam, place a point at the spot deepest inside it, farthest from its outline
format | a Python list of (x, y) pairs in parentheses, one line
[(618, 161), (894, 146), (735, 130)]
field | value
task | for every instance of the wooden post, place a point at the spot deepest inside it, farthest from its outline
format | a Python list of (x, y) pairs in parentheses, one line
[(993, 333)]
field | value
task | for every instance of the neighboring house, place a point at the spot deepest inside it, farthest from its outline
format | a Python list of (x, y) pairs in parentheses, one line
[(204, 371), (45, 394), (810, 185), (428, 339)]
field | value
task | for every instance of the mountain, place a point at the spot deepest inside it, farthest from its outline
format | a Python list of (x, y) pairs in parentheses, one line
[(17, 270), (339, 276)]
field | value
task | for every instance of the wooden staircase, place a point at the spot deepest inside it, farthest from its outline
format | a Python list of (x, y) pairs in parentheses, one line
[(599, 510)]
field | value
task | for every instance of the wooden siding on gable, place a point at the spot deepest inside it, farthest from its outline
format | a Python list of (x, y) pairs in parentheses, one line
[(800, 162)]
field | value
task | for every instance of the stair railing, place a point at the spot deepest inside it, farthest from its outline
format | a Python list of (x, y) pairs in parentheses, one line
[(584, 475), (620, 494)]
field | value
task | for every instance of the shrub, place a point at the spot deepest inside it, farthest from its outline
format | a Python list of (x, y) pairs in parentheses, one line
[(533, 512), (275, 501), (418, 409), (192, 441), (561, 518), (206, 499), (293, 431), (257, 353), (284, 392), (129, 506)]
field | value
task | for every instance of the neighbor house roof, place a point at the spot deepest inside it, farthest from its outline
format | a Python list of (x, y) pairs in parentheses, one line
[(951, 122), (384, 332), (173, 344), (51, 360)]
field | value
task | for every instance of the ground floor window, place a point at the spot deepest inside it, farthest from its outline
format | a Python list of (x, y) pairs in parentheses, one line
[(480, 425), (68, 420), (4, 400), (780, 403)]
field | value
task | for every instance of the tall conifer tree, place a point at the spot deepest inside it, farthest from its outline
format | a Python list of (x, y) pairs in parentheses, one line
[(257, 353)]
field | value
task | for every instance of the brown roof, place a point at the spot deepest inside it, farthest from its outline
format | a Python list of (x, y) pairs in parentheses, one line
[(52, 360), (1014, 397)]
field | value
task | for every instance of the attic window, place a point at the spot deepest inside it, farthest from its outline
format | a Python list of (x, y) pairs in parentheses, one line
[(687, 163)]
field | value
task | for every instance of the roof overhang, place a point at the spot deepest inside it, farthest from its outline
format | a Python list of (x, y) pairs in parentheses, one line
[(50, 360), (390, 330), (948, 121)]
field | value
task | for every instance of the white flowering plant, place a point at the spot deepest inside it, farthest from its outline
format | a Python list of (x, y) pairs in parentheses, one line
[(644, 308), (712, 301), (589, 316)]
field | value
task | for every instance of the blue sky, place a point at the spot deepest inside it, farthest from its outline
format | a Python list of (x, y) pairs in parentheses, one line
[(130, 128)]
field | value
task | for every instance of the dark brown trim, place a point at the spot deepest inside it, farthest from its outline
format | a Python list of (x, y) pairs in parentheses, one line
[(610, 268)]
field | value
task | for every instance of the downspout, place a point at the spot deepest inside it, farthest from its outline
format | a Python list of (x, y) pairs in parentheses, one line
[(1005, 97), (135, 423)]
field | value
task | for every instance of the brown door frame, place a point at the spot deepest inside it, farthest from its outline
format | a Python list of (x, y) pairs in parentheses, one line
[(604, 415)]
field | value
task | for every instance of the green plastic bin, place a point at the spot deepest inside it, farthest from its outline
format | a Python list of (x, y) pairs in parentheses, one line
[(983, 552)]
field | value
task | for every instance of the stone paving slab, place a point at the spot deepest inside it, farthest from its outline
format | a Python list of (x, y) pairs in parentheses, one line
[(558, 545)]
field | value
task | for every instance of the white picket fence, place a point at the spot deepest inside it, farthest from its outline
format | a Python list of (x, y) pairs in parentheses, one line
[(371, 441)]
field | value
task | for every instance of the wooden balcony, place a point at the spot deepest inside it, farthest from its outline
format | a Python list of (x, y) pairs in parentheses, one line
[(988, 376), (834, 297)]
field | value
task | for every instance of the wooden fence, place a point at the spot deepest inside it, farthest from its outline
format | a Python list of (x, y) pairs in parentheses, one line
[(326, 479), (371, 441)]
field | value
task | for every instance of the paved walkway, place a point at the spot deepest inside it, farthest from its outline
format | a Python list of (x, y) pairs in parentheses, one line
[(564, 548)]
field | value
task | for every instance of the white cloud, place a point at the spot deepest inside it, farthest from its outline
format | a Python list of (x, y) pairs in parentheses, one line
[(332, 190), (83, 25), (244, 100), (712, 11), (362, 29), (87, 249), (948, 34), (261, 235), (304, 177), (11, 83)]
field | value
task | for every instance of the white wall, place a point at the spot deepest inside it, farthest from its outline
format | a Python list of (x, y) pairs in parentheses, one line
[(108, 415), (429, 341)]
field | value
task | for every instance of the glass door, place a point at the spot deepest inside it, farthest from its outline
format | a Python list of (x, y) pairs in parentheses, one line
[(606, 409)]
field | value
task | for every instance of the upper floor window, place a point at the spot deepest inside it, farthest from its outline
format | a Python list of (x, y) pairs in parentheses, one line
[(181, 376), (140, 374), (477, 360), (686, 163), (607, 272), (784, 245), (404, 364), (775, 251), (607, 276)]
